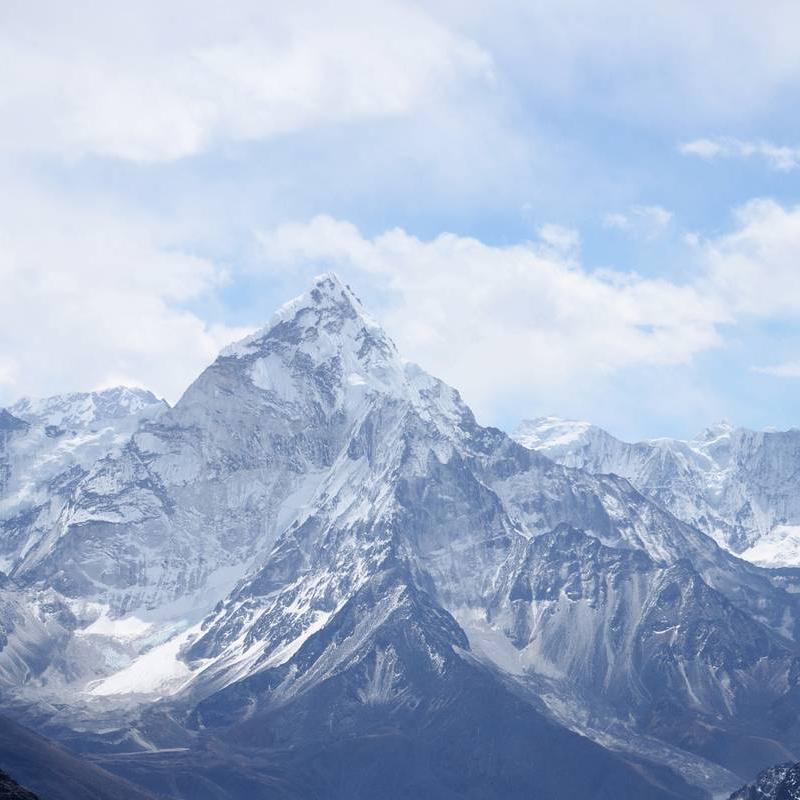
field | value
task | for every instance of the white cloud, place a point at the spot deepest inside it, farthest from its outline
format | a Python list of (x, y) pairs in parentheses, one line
[(92, 296), (497, 320), (646, 222), (779, 157), (500, 321), (88, 300), (91, 301), (789, 369), (156, 82), (559, 240), (755, 269), (663, 64), (704, 148)]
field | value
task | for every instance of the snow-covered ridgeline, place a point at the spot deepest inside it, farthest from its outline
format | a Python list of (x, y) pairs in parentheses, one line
[(741, 487)]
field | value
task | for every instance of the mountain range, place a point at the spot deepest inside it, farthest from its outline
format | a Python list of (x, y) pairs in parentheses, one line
[(318, 576), (737, 485)]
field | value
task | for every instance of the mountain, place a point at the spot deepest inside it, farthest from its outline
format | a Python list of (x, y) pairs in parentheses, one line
[(46, 447), (318, 575), (82, 409), (739, 486), (776, 783)]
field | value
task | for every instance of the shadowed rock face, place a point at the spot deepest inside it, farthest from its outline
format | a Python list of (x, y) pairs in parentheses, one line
[(55, 773), (318, 576), (776, 783), (11, 790)]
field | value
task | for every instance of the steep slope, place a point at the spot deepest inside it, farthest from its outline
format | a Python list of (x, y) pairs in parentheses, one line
[(737, 485), (646, 642), (47, 447), (385, 701)]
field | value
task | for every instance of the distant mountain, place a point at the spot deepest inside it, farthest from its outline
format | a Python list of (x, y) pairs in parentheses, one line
[(776, 783), (47, 447), (82, 409), (317, 576), (741, 487)]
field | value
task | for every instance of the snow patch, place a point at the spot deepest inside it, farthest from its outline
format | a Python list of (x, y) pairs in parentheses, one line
[(158, 672), (125, 629), (778, 548)]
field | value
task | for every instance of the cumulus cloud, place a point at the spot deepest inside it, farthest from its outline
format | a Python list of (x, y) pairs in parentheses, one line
[(646, 222), (155, 82), (89, 301), (755, 268), (107, 301), (778, 157)]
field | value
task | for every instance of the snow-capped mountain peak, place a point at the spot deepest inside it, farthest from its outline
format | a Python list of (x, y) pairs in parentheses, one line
[(324, 345), (326, 304), (550, 432), (326, 335), (79, 409), (718, 430)]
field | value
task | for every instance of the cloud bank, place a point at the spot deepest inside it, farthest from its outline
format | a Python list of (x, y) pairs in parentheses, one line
[(156, 82)]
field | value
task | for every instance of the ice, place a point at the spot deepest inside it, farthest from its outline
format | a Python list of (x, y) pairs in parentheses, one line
[(778, 548), (158, 672)]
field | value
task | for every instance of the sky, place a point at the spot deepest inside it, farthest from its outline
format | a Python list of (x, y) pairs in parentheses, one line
[(584, 209)]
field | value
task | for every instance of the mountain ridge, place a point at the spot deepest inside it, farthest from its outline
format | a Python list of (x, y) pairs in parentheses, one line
[(735, 484)]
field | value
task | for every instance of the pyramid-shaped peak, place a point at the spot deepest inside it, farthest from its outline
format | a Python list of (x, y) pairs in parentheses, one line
[(329, 293), (328, 305), (329, 284), (322, 349)]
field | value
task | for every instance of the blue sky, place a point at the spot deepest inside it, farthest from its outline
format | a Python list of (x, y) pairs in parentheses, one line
[(569, 208)]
